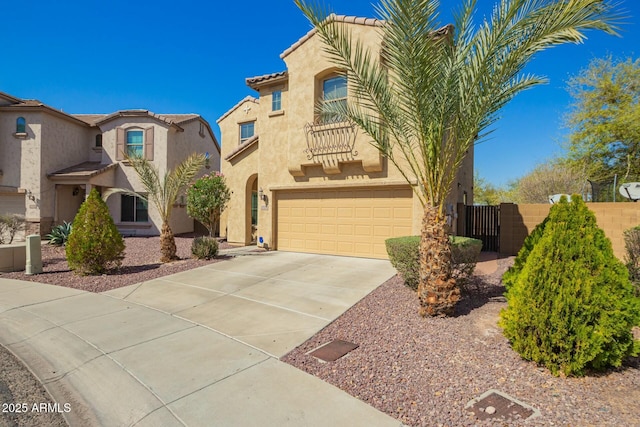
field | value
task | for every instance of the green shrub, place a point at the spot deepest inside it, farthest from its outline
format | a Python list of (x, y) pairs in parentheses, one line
[(207, 198), (572, 306), (509, 277), (60, 234), (404, 254), (632, 245), (95, 245), (204, 247)]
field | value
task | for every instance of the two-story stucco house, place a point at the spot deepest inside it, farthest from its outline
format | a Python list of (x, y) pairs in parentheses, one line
[(50, 160), (303, 182)]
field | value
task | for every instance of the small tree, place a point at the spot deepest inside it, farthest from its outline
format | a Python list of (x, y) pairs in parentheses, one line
[(207, 198), (94, 245), (572, 306), (10, 224)]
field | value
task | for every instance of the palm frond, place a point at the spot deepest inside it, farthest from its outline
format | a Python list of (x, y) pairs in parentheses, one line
[(433, 93)]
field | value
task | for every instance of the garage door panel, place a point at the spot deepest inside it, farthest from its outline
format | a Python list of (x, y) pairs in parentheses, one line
[(353, 222)]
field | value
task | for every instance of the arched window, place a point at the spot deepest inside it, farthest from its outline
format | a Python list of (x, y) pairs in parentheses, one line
[(21, 125)]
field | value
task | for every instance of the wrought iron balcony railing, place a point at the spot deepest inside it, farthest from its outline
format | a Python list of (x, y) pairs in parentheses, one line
[(330, 139)]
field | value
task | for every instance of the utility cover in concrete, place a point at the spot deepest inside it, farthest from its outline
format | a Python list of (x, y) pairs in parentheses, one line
[(497, 405), (334, 350)]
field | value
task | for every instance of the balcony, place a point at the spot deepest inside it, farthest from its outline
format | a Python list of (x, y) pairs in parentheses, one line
[(331, 139)]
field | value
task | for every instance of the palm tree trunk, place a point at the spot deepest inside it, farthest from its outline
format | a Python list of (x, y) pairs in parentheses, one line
[(437, 289), (167, 244)]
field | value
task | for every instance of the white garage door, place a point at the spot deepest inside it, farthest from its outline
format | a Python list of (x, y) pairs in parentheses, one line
[(353, 222)]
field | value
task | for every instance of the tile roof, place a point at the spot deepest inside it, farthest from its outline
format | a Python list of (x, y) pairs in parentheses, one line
[(253, 82), (34, 103), (372, 22), (9, 97), (82, 170), (232, 109), (170, 119), (242, 147)]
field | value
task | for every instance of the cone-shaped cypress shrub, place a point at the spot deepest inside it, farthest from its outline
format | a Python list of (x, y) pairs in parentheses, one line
[(572, 306), (509, 277), (94, 245)]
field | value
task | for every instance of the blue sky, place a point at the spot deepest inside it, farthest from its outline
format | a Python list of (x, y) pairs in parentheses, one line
[(99, 56)]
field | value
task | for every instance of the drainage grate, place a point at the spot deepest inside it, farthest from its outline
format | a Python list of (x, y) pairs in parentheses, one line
[(495, 404), (333, 350)]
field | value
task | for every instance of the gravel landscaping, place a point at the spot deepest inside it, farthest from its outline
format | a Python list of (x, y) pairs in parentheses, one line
[(141, 263), (424, 371)]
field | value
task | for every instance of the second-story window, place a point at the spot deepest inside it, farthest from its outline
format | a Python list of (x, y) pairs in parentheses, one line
[(99, 140), (135, 143), (334, 92), (246, 131), (276, 100), (21, 125)]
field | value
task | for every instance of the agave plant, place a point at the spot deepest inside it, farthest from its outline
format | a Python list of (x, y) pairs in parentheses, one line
[(60, 234)]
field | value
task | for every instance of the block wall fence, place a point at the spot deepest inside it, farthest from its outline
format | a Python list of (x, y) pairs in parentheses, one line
[(517, 221)]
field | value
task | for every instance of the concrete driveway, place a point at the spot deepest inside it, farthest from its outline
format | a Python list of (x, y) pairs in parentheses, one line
[(199, 347)]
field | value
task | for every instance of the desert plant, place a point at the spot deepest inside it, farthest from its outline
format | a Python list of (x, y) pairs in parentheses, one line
[(204, 247), (509, 277), (632, 259), (95, 245), (431, 92), (404, 255), (60, 234), (572, 306), (207, 198), (163, 193), (10, 225)]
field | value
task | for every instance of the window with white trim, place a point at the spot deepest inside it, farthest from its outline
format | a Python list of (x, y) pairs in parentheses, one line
[(334, 91), (276, 100), (135, 143), (246, 131)]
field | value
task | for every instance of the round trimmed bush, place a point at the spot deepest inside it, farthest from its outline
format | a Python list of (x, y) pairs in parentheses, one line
[(404, 255), (571, 307), (94, 245), (204, 247)]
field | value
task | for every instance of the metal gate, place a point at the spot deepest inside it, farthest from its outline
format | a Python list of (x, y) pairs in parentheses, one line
[(483, 223)]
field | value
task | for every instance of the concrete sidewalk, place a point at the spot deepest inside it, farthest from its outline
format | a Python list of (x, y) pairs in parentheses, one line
[(199, 347)]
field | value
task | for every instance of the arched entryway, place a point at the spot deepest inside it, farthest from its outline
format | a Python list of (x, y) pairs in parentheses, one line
[(251, 211)]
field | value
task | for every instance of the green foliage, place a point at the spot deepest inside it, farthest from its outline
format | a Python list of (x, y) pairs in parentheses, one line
[(207, 198), (95, 245), (632, 245), (204, 247), (485, 193), (511, 275), (60, 234), (552, 177), (10, 225), (605, 120), (572, 306), (404, 255)]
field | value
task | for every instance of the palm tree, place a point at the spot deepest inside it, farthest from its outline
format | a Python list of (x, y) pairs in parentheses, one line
[(438, 92), (164, 192)]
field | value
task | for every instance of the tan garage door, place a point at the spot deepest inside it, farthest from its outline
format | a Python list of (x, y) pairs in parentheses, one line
[(352, 222)]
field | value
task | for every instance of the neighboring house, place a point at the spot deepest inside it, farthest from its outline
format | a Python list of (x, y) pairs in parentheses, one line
[(315, 184), (50, 160)]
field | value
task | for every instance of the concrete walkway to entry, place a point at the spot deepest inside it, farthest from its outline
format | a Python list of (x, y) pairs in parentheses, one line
[(195, 348)]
